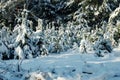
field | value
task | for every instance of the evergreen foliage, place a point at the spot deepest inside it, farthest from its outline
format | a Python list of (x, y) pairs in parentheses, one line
[(54, 26)]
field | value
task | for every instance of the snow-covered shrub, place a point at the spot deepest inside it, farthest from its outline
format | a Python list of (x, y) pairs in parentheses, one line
[(4, 51), (83, 46), (43, 50), (27, 52), (102, 46), (38, 76)]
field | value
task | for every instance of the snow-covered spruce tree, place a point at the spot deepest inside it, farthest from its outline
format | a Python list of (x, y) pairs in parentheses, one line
[(20, 37), (20, 40)]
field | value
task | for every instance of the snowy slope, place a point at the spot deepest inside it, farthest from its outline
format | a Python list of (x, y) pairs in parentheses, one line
[(68, 66)]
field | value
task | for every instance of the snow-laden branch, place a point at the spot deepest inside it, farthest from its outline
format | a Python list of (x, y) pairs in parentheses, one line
[(114, 14), (10, 4)]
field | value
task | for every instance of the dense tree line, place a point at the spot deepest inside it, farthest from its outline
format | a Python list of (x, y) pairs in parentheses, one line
[(31, 28)]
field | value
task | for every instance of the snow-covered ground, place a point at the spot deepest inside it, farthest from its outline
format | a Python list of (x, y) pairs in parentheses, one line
[(70, 65)]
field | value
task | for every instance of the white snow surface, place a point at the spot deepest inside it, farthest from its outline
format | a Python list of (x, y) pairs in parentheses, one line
[(69, 65)]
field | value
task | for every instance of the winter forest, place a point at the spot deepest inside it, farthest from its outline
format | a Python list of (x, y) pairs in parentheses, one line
[(59, 39)]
